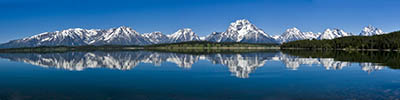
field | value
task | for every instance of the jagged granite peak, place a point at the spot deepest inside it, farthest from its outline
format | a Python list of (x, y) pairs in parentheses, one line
[(333, 33), (370, 31), (78, 37), (238, 31), (122, 36), (293, 34), (156, 37), (242, 31), (68, 37), (293, 30), (182, 35), (214, 36)]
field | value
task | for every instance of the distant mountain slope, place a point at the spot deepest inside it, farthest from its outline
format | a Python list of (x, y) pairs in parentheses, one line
[(294, 34), (156, 37), (121, 36), (183, 35), (78, 37), (333, 33), (241, 31), (370, 31), (238, 31)]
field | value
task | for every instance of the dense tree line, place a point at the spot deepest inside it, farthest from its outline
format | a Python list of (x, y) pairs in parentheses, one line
[(213, 44), (389, 41), (175, 46), (52, 49)]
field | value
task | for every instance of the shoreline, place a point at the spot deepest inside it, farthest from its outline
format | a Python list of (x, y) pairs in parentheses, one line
[(68, 49), (216, 48), (320, 49)]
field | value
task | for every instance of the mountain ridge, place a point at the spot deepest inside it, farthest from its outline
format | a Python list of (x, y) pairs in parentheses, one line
[(238, 31), (242, 31)]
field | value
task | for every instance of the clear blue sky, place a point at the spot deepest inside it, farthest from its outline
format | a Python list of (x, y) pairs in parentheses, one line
[(21, 18)]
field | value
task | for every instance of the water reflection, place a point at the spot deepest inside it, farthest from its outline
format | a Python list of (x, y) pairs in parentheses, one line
[(293, 62), (239, 64)]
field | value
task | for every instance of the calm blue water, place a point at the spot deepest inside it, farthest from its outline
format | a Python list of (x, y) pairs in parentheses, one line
[(163, 76)]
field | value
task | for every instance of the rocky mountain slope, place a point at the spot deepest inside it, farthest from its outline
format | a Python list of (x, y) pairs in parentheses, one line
[(238, 31)]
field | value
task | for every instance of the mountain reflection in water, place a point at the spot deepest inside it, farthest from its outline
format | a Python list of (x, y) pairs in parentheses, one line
[(239, 64)]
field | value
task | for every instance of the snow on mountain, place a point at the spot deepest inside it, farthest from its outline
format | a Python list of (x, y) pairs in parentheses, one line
[(242, 31), (121, 36), (214, 37), (333, 33), (69, 37), (294, 34), (276, 37), (78, 37), (114, 36), (203, 38), (156, 37), (370, 31), (238, 31), (183, 35)]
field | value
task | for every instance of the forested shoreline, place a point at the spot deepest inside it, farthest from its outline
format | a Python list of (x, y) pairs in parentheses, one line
[(198, 45), (213, 45), (389, 42)]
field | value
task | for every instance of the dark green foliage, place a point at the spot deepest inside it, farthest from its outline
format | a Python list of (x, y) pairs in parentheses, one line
[(391, 59), (389, 41), (206, 44), (181, 45), (47, 49)]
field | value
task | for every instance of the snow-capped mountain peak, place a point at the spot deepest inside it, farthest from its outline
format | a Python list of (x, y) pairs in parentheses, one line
[(156, 33), (156, 37), (238, 31), (77, 37), (122, 36), (244, 27), (182, 35), (242, 24), (123, 30), (184, 31), (370, 31), (333, 33), (293, 30), (293, 34), (242, 31), (214, 37)]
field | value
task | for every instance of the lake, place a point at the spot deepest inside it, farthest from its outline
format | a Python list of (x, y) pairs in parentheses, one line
[(155, 75)]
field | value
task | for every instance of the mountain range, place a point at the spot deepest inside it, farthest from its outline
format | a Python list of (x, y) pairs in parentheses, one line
[(241, 31), (238, 31)]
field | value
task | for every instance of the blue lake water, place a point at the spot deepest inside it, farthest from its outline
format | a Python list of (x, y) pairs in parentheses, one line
[(127, 75)]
